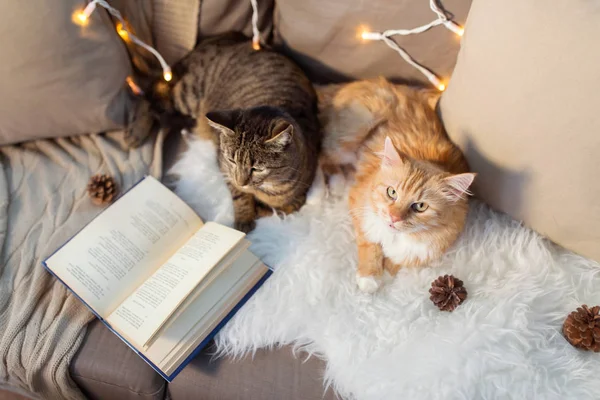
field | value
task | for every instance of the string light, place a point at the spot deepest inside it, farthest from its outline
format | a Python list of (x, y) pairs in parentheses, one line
[(442, 19), (255, 31), (82, 17), (122, 31), (134, 86), (442, 16), (454, 27), (431, 77)]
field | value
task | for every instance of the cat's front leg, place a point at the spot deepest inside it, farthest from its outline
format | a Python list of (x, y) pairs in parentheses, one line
[(370, 260), (244, 209), (370, 255), (370, 266), (391, 267)]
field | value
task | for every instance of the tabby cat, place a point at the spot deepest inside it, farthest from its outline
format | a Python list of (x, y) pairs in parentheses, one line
[(408, 199), (261, 111)]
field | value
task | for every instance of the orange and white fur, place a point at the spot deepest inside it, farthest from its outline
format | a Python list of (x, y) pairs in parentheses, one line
[(408, 198)]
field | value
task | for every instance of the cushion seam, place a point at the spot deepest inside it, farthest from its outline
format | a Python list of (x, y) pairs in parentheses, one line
[(121, 387)]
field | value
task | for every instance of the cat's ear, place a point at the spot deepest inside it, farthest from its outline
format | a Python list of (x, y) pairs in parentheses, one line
[(281, 135), (223, 121), (390, 156), (457, 186)]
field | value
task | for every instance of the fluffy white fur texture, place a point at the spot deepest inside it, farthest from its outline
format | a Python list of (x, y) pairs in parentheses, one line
[(504, 342)]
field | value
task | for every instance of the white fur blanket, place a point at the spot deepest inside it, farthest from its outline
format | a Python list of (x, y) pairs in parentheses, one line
[(504, 342)]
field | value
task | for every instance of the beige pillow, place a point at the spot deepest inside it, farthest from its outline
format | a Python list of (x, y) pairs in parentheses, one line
[(57, 78), (323, 36), (170, 27), (523, 103), (221, 16)]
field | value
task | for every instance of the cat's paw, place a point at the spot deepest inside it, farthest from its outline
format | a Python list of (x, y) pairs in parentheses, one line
[(245, 226), (368, 284)]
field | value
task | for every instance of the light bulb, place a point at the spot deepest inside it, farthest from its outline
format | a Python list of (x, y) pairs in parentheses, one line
[(82, 17), (122, 31), (454, 27), (437, 82), (365, 35), (133, 86), (167, 75)]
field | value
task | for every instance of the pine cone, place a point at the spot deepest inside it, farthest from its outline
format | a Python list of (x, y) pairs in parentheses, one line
[(102, 189), (582, 328), (447, 292)]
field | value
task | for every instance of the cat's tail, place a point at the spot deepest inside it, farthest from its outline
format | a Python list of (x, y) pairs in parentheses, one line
[(350, 113)]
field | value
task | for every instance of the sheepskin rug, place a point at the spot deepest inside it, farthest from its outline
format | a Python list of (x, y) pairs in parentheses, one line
[(504, 342)]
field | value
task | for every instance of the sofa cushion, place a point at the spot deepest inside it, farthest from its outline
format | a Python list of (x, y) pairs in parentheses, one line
[(58, 78), (323, 37), (171, 28), (105, 368), (221, 16), (523, 105), (269, 375)]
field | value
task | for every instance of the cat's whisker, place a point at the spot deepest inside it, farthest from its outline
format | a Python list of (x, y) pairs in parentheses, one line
[(358, 212), (363, 210), (294, 169)]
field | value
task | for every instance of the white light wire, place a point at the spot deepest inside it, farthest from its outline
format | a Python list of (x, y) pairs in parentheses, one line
[(442, 19), (431, 77), (255, 31), (113, 11)]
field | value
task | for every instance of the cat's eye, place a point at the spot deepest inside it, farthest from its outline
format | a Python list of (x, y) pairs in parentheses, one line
[(419, 207), (391, 192), (256, 170)]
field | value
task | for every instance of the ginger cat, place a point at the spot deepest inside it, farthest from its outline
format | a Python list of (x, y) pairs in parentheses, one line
[(408, 198)]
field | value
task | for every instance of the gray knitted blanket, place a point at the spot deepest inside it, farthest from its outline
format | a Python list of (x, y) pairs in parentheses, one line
[(43, 202)]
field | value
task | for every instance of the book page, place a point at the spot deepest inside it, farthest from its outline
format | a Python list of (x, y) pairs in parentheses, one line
[(205, 285), (197, 311), (148, 307), (105, 262), (212, 319)]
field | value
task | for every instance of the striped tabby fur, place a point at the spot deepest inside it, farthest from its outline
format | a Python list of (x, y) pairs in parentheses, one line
[(260, 109)]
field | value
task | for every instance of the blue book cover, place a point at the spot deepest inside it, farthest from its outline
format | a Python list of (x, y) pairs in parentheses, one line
[(205, 340)]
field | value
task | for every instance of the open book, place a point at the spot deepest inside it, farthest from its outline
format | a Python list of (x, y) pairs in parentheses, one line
[(157, 276)]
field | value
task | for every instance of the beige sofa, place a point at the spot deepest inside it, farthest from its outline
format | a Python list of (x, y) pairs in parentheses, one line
[(530, 141)]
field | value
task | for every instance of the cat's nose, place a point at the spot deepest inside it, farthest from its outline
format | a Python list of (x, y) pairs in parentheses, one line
[(395, 218)]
